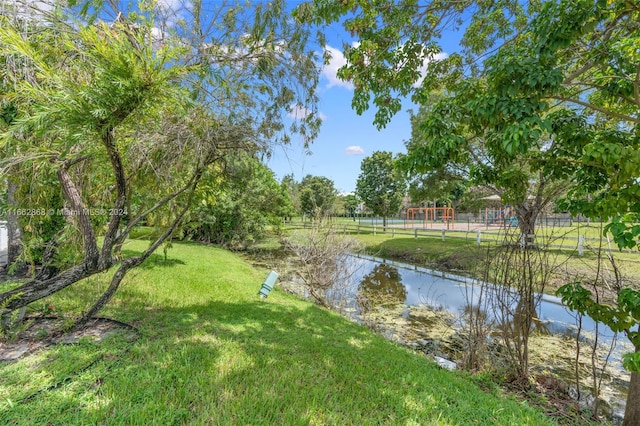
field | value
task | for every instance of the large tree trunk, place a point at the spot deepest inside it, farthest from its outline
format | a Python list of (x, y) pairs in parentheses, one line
[(632, 411), (36, 290), (527, 216)]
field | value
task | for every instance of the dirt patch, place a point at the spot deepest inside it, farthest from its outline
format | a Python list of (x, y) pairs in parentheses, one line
[(42, 332)]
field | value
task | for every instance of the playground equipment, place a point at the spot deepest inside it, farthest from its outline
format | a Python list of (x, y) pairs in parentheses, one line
[(432, 215), (498, 217)]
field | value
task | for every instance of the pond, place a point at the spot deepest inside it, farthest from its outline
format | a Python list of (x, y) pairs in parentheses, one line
[(423, 309), (417, 286)]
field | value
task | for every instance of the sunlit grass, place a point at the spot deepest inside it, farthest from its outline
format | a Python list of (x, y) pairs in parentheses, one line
[(211, 351)]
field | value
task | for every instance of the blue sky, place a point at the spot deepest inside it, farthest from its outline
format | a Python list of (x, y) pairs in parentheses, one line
[(345, 137)]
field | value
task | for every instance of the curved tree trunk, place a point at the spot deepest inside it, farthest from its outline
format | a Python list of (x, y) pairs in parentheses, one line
[(632, 411), (36, 290)]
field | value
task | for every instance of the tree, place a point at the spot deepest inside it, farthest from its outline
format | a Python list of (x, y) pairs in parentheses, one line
[(235, 202), (452, 141), (317, 195), (291, 197), (398, 53), (128, 119), (440, 187), (380, 185), (351, 204), (534, 57), (523, 74)]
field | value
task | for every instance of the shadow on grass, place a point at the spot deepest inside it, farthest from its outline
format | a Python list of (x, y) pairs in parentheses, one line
[(156, 260), (258, 362)]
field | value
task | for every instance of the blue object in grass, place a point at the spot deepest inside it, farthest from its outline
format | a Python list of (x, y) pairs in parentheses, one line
[(268, 284)]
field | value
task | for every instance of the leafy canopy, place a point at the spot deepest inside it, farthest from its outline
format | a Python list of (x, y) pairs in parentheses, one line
[(380, 185)]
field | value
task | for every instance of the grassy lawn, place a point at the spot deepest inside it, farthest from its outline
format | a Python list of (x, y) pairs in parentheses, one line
[(463, 254), (211, 351)]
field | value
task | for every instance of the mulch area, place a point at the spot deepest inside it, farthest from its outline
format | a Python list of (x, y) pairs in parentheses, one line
[(44, 331)]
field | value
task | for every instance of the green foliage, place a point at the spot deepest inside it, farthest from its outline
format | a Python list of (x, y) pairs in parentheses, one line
[(503, 104), (127, 116), (39, 193), (397, 39), (631, 361), (317, 195), (291, 195), (444, 187), (380, 185), (236, 202), (351, 204), (12, 324), (620, 318)]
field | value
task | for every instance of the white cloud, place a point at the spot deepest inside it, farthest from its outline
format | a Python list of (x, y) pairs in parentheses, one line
[(173, 5), (300, 112), (173, 11), (425, 65), (330, 70), (354, 150)]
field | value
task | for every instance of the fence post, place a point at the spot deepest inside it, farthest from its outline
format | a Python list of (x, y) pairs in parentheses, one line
[(479, 238), (393, 232), (415, 233), (374, 230), (581, 245), (443, 232)]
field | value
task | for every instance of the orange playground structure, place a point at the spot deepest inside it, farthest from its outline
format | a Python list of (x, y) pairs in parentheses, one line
[(431, 215)]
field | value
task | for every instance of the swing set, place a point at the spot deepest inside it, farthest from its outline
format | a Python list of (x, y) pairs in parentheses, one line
[(432, 215)]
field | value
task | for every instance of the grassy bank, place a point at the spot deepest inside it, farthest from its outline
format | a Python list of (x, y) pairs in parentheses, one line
[(210, 351), (466, 257)]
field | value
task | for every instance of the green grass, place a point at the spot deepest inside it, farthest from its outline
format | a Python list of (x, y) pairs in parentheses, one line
[(211, 351), (463, 255)]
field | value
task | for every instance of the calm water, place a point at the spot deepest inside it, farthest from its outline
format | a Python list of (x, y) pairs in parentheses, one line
[(375, 279), (415, 286)]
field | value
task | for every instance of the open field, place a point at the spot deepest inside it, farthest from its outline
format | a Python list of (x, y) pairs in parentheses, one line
[(210, 351)]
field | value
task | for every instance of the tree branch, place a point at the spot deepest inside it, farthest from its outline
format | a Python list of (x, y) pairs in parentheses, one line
[(35, 289), (132, 262), (597, 108), (121, 197), (78, 210)]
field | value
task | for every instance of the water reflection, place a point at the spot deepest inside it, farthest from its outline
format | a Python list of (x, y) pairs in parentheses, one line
[(396, 295), (382, 286), (375, 280)]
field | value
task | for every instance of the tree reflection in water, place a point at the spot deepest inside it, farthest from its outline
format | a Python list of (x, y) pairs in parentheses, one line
[(381, 287)]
